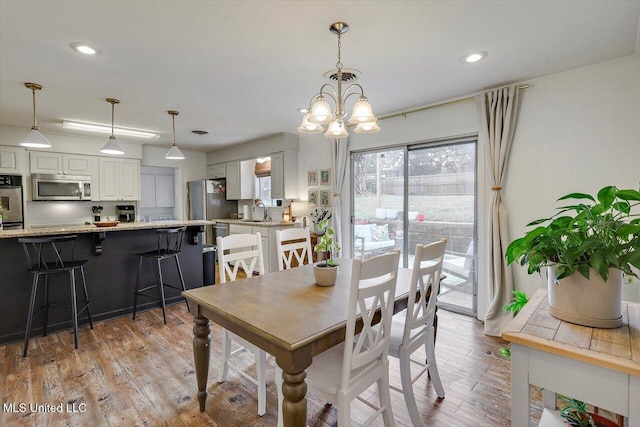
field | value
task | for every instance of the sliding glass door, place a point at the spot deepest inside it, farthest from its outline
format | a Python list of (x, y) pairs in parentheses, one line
[(442, 204), (416, 195), (378, 200)]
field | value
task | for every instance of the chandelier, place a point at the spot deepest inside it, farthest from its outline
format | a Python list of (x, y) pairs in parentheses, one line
[(321, 113), (174, 152)]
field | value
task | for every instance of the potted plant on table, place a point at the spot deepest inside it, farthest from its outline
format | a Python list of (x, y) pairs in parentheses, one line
[(326, 271), (586, 248)]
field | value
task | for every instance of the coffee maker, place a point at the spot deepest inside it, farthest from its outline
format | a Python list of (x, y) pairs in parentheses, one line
[(126, 213)]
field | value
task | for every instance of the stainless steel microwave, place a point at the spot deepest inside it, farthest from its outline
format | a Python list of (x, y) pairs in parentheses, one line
[(60, 187)]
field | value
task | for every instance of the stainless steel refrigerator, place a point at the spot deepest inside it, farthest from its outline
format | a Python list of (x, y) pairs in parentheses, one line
[(208, 200)]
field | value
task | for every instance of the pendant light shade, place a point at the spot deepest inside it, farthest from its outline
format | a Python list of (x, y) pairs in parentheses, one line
[(34, 138), (362, 112), (367, 127), (112, 146), (336, 130), (308, 127), (321, 112), (174, 152)]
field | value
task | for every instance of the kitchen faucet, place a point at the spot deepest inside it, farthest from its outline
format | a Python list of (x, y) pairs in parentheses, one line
[(264, 216)]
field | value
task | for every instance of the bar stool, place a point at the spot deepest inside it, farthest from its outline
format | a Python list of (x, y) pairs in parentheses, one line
[(169, 246), (45, 257)]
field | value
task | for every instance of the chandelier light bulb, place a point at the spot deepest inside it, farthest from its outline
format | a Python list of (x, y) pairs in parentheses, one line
[(308, 127), (336, 130), (367, 127), (362, 112), (321, 112)]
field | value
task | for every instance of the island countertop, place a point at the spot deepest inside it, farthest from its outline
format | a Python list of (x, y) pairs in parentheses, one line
[(254, 223), (81, 229)]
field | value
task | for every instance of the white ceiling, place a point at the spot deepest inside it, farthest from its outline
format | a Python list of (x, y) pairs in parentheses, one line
[(240, 69)]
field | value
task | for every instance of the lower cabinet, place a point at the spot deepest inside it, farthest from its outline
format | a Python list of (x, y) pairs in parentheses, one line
[(268, 237)]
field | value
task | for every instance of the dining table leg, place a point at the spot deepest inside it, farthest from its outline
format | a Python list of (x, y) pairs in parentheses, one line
[(294, 407), (201, 354)]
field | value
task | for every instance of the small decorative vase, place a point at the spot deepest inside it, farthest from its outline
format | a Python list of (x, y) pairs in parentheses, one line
[(317, 230), (325, 276)]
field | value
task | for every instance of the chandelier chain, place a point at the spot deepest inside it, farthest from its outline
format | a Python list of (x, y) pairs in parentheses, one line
[(339, 63)]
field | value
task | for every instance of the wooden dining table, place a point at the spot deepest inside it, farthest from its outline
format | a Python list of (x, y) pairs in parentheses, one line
[(284, 313)]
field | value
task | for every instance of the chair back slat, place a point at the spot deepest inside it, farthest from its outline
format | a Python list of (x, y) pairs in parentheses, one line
[(239, 251), (373, 284), (170, 239), (424, 288), (288, 248), (47, 253)]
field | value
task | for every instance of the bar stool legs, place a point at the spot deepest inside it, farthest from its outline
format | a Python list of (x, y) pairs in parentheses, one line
[(160, 283), (45, 307)]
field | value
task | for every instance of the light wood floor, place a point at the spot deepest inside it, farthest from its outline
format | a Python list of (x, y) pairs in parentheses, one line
[(141, 373)]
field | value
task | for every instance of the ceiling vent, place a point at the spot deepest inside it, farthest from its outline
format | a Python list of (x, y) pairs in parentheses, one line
[(200, 132), (348, 75)]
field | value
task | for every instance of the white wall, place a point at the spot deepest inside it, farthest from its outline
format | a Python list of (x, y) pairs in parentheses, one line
[(577, 131)]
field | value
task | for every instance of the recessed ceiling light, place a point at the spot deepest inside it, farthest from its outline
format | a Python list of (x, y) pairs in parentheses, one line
[(474, 57), (83, 48), (303, 110)]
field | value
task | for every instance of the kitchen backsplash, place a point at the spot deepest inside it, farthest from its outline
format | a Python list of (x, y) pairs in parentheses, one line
[(65, 213)]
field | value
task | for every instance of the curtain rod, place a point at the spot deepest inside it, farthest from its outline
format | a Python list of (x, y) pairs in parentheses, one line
[(457, 101)]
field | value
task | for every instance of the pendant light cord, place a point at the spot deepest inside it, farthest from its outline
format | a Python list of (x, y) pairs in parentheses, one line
[(35, 124), (173, 120), (113, 106)]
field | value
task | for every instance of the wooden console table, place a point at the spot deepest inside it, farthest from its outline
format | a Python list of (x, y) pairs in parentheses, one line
[(597, 366)]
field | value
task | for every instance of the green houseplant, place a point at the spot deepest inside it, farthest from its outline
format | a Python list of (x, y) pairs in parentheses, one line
[(593, 240), (326, 271)]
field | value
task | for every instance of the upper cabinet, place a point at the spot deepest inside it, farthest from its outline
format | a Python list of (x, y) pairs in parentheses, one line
[(11, 159), (157, 191), (240, 180), (119, 179), (284, 175), (62, 164), (217, 171)]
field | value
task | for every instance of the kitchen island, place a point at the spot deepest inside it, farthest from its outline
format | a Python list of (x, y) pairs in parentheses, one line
[(110, 272)]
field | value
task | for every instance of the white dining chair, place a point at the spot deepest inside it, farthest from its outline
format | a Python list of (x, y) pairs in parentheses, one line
[(234, 251), (287, 249), (342, 373), (413, 327)]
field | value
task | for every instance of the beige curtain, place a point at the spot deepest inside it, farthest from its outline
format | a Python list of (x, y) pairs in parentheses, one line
[(499, 113), (339, 160)]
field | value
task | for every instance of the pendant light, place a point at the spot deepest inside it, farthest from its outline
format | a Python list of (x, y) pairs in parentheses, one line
[(112, 146), (174, 152), (34, 138)]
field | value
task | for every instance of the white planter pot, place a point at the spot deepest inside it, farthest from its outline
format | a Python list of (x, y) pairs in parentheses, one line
[(325, 276), (413, 215), (392, 213), (381, 213), (587, 302)]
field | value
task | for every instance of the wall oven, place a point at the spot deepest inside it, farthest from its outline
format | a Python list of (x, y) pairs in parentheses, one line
[(11, 201), (61, 187)]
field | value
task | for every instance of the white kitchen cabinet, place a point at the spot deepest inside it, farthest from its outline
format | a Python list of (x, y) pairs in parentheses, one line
[(218, 170), (147, 191), (240, 180), (119, 179), (11, 159), (45, 162), (284, 175), (157, 191), (62, 164), (164, 191)]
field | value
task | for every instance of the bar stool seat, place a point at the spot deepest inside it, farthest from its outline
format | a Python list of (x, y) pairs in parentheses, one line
[(45, 256), (169, 246)]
